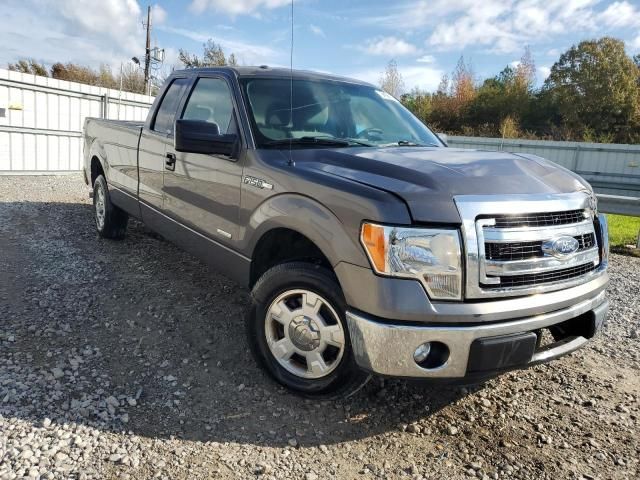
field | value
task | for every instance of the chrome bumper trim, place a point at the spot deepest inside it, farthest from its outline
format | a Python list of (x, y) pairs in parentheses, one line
[(387, 349)]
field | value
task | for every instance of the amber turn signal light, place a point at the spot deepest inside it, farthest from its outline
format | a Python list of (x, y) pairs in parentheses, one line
[(373, 239)]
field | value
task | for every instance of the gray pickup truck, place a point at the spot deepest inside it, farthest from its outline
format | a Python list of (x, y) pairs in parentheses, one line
[(369, 246)]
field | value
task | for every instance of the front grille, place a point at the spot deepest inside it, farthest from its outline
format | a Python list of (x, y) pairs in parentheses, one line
[(548, 219), (523, 250), (586, 241), (531, 280)]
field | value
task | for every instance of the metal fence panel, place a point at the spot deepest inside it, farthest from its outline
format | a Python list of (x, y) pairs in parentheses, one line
[(41, 120), (611, 168)]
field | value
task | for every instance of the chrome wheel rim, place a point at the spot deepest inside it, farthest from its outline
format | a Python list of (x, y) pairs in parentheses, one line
[(100, 207), (304, 334)]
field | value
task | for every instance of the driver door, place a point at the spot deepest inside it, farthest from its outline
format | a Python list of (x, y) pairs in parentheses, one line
[(202, 191)]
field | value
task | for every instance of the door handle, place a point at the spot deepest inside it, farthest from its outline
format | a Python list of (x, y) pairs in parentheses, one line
[(170, 162)]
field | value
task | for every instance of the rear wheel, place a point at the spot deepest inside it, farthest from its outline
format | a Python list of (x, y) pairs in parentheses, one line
[(297, 330), (111, 221)]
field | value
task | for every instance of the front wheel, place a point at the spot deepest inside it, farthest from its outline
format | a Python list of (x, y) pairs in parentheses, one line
[(297, 330), (111, 221)]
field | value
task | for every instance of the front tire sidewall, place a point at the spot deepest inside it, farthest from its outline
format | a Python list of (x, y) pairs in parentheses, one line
[(115, 219), (100, 185), (320, 281)]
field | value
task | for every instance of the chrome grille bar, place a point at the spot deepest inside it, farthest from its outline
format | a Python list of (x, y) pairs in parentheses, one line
[(541, 219), (511, 235), (540, 265), (545, 278), (523, 250), (520, 223)]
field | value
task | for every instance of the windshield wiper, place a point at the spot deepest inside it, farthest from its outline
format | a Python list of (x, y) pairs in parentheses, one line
[(324, 141), (409, 143), (321, 141)]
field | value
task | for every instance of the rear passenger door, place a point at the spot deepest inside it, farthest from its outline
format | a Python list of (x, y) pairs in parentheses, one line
[(203, 192), (154, 140)]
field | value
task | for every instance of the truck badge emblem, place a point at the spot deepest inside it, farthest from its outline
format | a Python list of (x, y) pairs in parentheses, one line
[(561, 246), (257, 182)]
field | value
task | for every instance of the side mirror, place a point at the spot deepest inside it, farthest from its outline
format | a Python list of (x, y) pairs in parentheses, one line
[(196, 136)]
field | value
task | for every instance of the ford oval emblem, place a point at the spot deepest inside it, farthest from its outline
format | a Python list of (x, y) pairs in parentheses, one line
[(561, 246)]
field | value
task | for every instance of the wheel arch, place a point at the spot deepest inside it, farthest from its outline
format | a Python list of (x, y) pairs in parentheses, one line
[(96, 169), (294, 217)]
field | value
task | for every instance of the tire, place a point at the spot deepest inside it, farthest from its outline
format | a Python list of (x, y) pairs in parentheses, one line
[(111, 221), (318, 366)]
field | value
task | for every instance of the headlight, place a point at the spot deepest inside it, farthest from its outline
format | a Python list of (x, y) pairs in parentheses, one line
[(431, 255)]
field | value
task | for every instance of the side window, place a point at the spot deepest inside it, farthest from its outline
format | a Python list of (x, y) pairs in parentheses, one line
[(210, 102), (163, 122)]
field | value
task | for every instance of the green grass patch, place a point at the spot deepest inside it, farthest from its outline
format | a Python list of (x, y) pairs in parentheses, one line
[(623, 230)]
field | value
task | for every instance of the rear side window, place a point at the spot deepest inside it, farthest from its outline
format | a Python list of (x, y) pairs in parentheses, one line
[(210, 102), (168, 107)]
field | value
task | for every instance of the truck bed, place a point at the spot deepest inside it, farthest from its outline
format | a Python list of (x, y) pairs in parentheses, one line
[(117, 140)]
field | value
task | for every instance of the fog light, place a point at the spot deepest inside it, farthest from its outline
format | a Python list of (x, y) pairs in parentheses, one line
[(431, 355), (422, 352)]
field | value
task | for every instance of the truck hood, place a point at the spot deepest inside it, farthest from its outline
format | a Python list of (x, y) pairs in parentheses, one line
[(427, 179)]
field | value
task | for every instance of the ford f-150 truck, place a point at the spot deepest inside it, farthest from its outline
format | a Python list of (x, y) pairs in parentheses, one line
[(369, 245)]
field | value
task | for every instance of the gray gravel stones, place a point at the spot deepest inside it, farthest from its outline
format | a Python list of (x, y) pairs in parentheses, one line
[(128, 360)]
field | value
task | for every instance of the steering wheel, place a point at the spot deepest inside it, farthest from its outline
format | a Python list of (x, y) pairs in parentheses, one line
[(366, 133)]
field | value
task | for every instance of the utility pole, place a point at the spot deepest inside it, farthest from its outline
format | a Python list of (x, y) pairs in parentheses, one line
[(147, 52)]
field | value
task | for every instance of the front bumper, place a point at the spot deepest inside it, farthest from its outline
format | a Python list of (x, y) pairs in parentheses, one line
[(387, 348)]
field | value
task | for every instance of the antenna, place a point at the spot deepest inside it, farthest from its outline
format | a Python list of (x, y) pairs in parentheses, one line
[(291, 88)]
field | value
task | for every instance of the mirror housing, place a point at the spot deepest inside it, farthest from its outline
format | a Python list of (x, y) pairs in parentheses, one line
[(196, 136)]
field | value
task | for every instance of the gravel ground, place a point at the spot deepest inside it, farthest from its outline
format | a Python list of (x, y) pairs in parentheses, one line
[(128, 360)]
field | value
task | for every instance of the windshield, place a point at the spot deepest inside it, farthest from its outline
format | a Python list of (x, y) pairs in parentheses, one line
[(330, 114)]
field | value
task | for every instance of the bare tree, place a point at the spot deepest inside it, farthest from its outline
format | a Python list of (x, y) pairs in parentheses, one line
[(463, 87), (213, 56), (391, 81), (132, 78), (526, 71)]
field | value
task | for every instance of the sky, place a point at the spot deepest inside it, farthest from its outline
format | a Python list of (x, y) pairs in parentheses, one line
[(346, 37)]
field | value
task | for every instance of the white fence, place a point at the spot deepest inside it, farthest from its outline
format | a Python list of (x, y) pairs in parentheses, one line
[(41, 120), (611, 168)]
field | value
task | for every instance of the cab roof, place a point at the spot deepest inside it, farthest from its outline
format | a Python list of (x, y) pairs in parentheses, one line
[(265, 71)]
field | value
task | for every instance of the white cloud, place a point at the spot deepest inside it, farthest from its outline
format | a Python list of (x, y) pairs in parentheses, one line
[(158, 15), (425, 78), (317, 31), (426, 59), (635, 43), (389, 47), (246, 53), (71, 31), (544, 72), (505, 26), (236, 7), (117, 19), (621, 14)]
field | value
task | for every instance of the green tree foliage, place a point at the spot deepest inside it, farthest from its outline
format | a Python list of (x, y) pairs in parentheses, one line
[(592, 94), (212, 56), (419, 102), (451, 102), (595, 87), (30, 66)]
